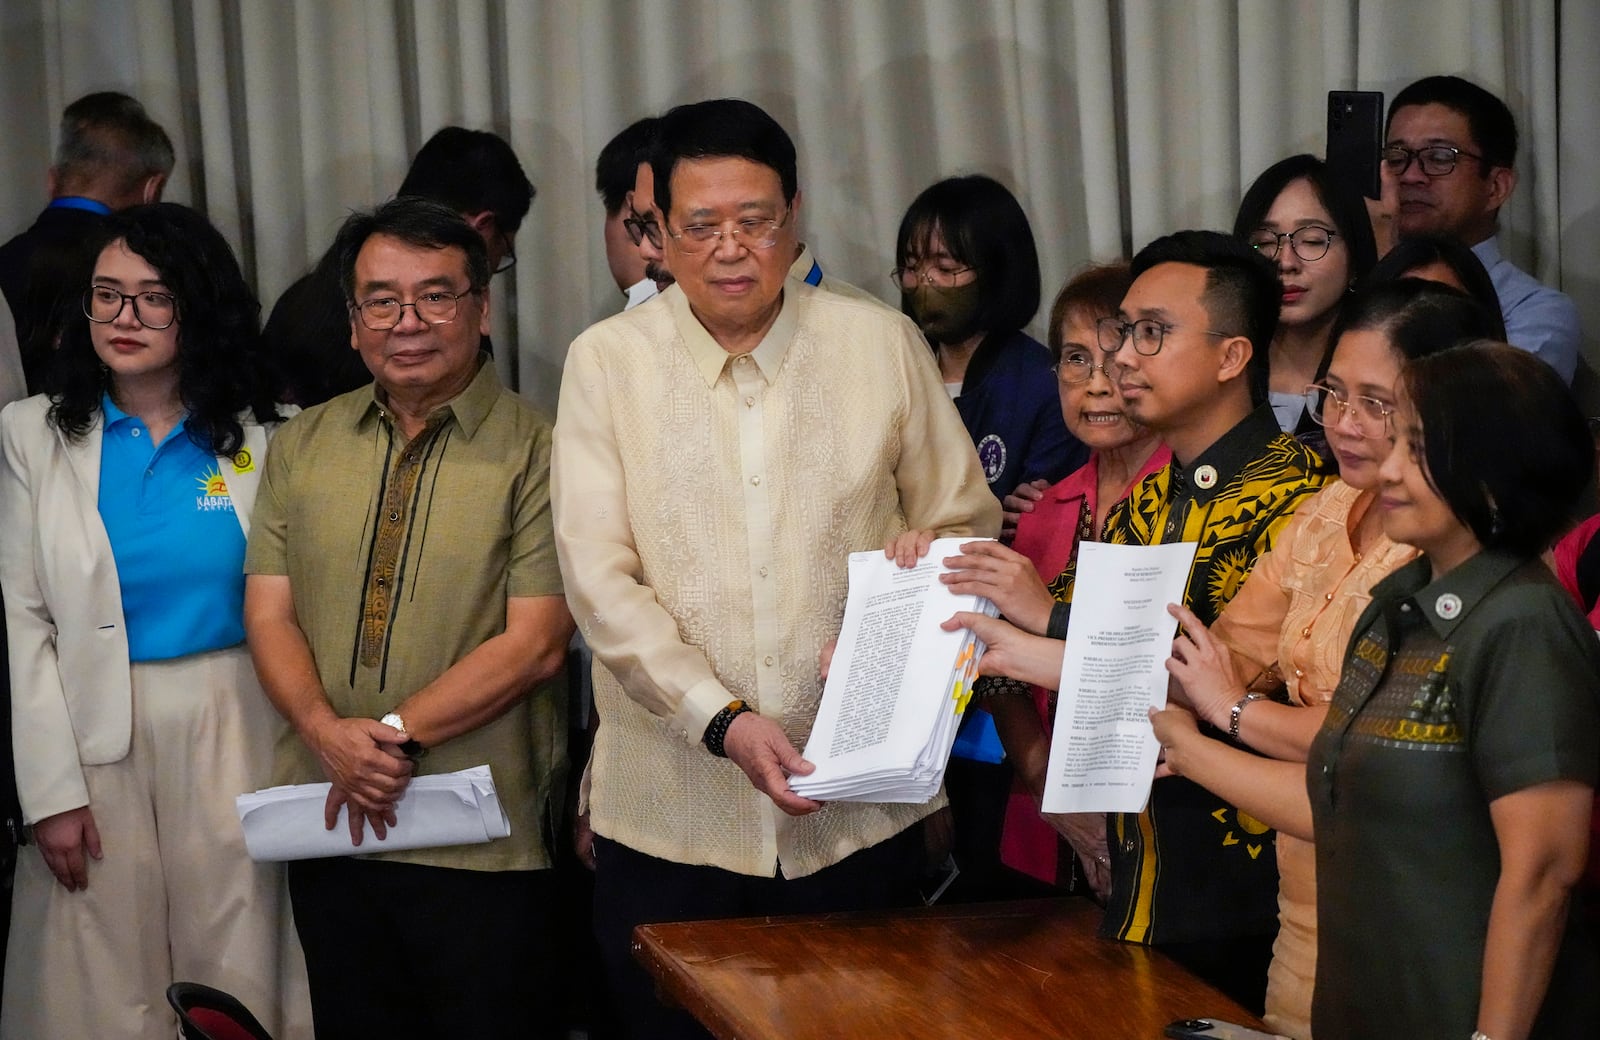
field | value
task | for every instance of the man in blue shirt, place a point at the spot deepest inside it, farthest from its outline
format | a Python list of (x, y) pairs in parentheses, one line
[(112, 155), (1449, 154)]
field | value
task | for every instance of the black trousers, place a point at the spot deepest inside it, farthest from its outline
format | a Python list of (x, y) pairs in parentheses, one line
[(633, 889), (408, 952)]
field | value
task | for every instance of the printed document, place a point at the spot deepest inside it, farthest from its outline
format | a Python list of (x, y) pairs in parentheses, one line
[(462, 808), (1103, 750), (898, 684)]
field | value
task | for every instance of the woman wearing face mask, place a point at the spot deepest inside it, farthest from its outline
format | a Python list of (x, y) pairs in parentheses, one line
[(125, 495), (1320, 237), (1287, 628), (968, 274)]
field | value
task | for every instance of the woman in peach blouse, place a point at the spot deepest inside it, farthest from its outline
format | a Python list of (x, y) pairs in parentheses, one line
[(1288, 627)]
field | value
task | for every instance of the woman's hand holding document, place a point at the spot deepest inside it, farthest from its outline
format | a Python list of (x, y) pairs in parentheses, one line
[(285, 823), (1103, 751), (897, 684)]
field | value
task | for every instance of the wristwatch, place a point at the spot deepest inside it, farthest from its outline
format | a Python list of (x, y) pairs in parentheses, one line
[(1234, 712), (411, 748)]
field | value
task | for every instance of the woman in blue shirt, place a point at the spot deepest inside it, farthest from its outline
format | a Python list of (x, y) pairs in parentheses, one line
[(124, 497)]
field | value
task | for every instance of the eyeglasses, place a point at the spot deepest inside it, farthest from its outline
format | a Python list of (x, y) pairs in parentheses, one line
[(1147, 335), (153, 310), (752, 233), (640, 227), (942, 274), (1079, 366), (1372, 418), (1437, 160), (1309, 243), (434, 308), (509, 260)]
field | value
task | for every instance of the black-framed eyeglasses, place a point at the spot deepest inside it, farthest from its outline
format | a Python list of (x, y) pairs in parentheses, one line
[(509, 259), (943, 275), (1437, 160), (1147, 335), (1079, 366), (751, 232), (640, 227), (154, 310), (1372, 418), (1309, 243), (434, 308)]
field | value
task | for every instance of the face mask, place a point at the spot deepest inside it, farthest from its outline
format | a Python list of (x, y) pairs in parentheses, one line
[(944, 315)]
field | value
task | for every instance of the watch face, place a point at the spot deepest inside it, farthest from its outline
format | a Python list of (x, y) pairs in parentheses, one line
[(393, 721)]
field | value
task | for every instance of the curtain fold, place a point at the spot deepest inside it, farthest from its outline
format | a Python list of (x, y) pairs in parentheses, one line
[(1113, 120)]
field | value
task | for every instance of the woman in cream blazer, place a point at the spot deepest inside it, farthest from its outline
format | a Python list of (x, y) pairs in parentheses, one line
[(125, 496)]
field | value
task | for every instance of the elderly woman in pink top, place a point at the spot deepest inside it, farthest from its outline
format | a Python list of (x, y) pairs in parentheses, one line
[(1047, 522), (1264, 673)]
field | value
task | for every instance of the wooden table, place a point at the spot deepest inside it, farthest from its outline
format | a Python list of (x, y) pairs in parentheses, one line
[(1033, 969)]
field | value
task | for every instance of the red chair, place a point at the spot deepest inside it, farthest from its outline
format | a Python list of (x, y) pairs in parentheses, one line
[(210, 1014)]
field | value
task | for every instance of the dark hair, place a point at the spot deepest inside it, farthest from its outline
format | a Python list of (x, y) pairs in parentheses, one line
[(1416, 251), (1493, 128), (1094, 292), (1344, 206), (222, 365), (618, 165), (983, 228), (1418, 317), (1241, 295), (416, 222), (110, 135), (1505, 443), (470, 171), (722, 128)]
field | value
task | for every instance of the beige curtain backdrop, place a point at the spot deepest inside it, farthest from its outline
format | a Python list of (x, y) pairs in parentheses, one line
[(1113, 120)]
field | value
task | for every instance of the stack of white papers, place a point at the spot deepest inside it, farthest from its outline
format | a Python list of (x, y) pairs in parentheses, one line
[(284, 823), (898, 684)]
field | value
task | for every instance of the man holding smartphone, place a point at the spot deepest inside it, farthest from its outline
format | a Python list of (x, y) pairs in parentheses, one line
[(1448, 158)]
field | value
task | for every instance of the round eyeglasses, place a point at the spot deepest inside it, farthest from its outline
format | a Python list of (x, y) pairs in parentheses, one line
[(154, 310), (435, 308), (1371, 417), (1309, 243), (1079, 366), (1147, 335), (946, 275)]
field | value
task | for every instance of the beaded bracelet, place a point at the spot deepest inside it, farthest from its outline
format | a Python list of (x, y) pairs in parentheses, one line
[(717, 728)]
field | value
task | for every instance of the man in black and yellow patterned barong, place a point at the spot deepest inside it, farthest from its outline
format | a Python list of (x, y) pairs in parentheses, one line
[(1191, 874)]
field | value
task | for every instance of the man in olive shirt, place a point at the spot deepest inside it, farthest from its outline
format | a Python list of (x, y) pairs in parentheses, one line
[(402, 568)]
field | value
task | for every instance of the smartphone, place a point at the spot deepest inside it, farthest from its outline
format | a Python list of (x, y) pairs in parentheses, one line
[(1355, 137), (1214, 1029)]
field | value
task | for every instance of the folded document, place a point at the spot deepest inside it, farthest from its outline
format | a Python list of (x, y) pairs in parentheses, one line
[(283, 823)]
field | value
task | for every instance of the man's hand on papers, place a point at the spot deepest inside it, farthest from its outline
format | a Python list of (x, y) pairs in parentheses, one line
[(1204, 669), (363, 758), (1086, 833), (1175, 729), (1011, 651), (381, 819), (758, 745), (1005, 577), (1015, 504), (66, 841), (909, 547)]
